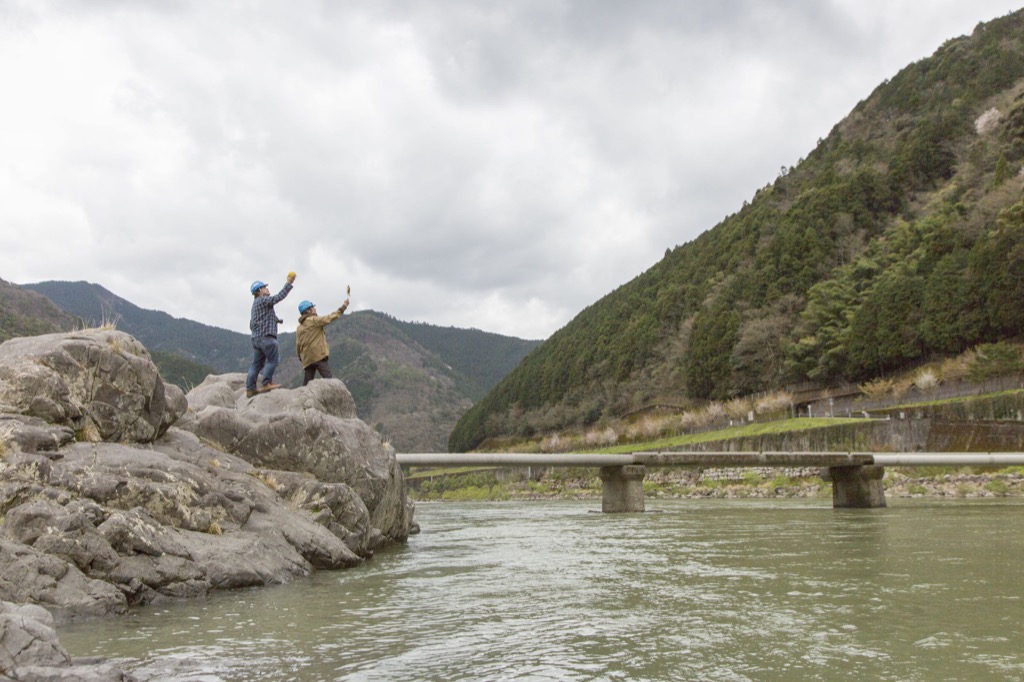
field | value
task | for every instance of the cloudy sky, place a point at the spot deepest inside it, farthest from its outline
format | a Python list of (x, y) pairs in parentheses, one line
[(495, 165)]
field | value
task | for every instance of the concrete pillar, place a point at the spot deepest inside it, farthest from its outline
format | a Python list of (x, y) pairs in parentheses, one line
[(623, 488), (857, 487)]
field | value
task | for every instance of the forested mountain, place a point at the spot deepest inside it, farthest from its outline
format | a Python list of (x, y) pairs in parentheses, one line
[(482, 357), (411, 381), (206, 346), (900, 237), (26, 313)]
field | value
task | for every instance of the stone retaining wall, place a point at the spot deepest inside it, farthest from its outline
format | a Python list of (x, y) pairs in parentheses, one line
[(887, 435), (767, 473)]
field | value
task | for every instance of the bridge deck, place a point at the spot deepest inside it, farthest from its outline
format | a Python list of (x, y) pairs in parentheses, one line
[(652, 459), (715, 459), (459, 459), (752, 459)]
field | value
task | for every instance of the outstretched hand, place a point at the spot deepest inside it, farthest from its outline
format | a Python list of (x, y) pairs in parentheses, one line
[(291, 278)]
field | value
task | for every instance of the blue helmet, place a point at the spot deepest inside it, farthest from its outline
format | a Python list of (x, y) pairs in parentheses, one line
[(304, 306), (256, 286)]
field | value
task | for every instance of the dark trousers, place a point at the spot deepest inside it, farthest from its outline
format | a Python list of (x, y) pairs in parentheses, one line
[(318, 366), (264, 359)]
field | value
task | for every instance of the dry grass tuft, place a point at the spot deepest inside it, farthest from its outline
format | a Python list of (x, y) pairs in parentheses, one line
[(926, 380), (877, 389), (267, 479), (956, 368), (713, 412), (88, 433), (739, 408), (596, 437), (774, 402)]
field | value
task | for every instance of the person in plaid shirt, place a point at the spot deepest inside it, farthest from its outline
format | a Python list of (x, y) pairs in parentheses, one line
[(263, 323)]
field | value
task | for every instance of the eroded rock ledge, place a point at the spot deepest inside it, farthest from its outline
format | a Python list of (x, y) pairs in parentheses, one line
[(117, 489)]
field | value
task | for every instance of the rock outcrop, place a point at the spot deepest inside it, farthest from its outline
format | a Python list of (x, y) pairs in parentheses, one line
[(116, 489), (312, 430), (30, 650), (102, 384)]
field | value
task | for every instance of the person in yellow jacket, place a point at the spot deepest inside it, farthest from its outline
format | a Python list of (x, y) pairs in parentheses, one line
[(311, 340)]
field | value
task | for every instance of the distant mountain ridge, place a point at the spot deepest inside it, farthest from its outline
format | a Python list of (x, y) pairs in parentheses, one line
[(482, 357), (411, 381), (898, 239), (219, 349), (27, 313)]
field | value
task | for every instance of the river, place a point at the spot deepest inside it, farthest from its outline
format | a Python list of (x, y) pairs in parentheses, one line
[(691, 590)]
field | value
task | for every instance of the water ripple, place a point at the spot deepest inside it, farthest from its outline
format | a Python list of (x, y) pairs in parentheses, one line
[(551, 591)]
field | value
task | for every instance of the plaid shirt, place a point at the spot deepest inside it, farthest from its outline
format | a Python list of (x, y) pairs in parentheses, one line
[(263, 319)]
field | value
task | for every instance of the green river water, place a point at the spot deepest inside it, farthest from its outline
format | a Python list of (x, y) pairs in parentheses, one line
[(690, 590)]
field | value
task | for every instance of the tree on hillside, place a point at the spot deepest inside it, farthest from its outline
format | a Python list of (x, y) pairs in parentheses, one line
[(997, 268), (759, 357), (713, 334), (885, 327)]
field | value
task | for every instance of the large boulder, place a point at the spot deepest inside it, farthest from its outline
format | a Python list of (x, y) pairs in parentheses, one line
[(312, 430), (175, 520), (105, 502), (100, 383)]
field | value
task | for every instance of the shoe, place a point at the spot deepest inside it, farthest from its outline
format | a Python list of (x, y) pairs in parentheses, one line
[(249, 393), (269, 387)]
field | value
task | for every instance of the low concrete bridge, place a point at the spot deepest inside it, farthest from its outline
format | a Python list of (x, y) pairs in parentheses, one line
[(856, 477)]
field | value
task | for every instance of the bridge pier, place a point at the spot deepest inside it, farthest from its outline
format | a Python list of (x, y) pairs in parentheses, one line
[(623, 488), (858, 487)]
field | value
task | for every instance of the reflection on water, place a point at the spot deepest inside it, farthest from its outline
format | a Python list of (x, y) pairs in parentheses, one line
[(700, 589)]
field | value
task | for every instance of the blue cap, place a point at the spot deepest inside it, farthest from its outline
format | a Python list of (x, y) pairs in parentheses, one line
[(304, 306), (256, 286)]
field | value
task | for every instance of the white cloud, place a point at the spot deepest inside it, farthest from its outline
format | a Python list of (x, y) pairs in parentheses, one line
[(497, 166)]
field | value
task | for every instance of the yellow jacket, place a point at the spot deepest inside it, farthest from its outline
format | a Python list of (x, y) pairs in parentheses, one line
[(310, 338)]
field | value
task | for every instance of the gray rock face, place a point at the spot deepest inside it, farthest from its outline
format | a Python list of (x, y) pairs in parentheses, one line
[(116, 490), (313, 430), (30, 576), (29, 650), (101, 383)]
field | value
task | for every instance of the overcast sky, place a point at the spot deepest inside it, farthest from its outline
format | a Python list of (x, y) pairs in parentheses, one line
[(495, 165)]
